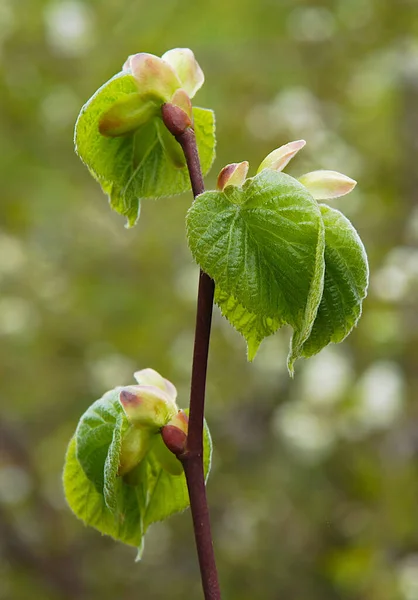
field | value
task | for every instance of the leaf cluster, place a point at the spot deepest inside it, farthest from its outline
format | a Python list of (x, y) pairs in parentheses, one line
[(122, 507), (279, 257)]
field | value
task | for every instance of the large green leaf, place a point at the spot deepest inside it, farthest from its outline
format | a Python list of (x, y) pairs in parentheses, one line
[(122, 507), (345, 283), (145, 164), (263, 244)]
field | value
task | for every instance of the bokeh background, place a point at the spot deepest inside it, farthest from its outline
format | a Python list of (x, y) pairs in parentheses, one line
[(314, 488)]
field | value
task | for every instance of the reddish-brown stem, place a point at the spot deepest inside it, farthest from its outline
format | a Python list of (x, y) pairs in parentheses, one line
[(192, 458)]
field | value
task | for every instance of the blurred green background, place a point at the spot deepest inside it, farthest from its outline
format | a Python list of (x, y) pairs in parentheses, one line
[(314, 488)]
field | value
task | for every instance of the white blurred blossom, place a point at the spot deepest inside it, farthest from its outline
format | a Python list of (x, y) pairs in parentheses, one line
[(379, 400), (398, 276), (311, 24), (8, 21), (59, 108), (326, 377), (12, 254), (17, 316), (111, 369), (15, 484), (69, 27), (309, 434), (408, 577)]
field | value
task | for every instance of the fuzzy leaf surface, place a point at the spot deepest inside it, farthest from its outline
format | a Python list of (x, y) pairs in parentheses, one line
[(263, 244), (145, 164), (95, 434), (89, 505), (345, 283)]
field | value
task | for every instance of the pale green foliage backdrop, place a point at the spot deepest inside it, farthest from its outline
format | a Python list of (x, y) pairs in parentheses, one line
[(314, 488)]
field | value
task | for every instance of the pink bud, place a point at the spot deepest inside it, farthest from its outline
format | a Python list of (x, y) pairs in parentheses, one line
[(174, 439), (233, 174), (175, 119), (174, 433), (324, 185), (147, 406), (154, 76), (279, 158)]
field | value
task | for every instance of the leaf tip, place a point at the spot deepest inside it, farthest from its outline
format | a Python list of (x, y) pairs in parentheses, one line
[(252, 349), (291, 370), (279, 158), (140, 551), (291, 359), (325, 185)]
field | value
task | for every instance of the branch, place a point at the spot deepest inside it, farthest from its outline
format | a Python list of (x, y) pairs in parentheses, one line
[(179, 124)]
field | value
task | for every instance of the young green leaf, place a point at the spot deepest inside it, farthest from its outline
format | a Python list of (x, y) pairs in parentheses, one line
[(135, 156), (263, 244), (122, 505), (89, 505), (345, 283)]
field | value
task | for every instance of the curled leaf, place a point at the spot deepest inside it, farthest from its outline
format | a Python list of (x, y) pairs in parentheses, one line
[(345, 283), (120, 477), (144, 163), (126, 115)]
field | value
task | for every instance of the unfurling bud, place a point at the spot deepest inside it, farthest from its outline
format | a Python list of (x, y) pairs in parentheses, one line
[(324, 185), (165, 86), (233, 174), (126, 115), (153, 76), (151, 377), (279, 158), (187, 69), (147, 407)]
